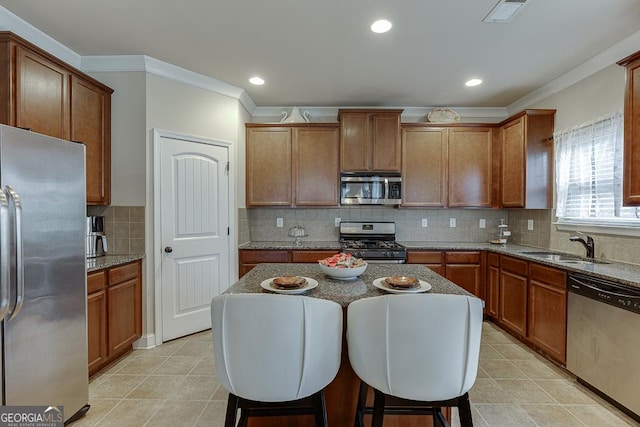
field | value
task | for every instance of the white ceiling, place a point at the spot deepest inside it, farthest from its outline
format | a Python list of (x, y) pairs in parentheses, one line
[(322, 53)]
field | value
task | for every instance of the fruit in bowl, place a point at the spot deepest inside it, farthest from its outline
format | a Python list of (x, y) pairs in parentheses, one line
[(343, 266)]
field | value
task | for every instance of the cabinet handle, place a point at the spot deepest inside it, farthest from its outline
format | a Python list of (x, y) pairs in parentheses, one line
[(168, 249)]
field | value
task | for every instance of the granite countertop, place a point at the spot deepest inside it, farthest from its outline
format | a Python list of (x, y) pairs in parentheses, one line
[(342, 291), (107, 261), (626, 274)]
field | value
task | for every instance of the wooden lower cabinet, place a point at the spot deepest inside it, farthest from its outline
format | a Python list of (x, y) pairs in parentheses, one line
[(547, 310), (311, 256), (464, 268), (513, 295), (114, 312)]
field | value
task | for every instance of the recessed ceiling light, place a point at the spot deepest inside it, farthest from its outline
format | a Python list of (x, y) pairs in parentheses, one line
[(473, 82), (381, 26), (504, 11), (256, 81)]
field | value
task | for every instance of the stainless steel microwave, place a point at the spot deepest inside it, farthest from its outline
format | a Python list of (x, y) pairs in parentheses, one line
[(360, 189)]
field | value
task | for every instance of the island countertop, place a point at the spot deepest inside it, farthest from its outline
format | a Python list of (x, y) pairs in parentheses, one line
[(343, 291)]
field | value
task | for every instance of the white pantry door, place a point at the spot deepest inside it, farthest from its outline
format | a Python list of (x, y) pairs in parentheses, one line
[(194, 192)]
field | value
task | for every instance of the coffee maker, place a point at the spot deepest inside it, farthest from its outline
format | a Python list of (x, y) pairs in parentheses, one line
[(96, 243)]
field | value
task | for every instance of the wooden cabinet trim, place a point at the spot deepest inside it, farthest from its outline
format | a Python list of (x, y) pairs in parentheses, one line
[(254, 256)]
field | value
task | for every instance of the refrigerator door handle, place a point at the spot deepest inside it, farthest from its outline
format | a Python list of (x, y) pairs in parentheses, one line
[(17, 204), (5, 258)]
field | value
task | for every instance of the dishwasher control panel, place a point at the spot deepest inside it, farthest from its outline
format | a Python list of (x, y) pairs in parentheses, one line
[(606, 291)]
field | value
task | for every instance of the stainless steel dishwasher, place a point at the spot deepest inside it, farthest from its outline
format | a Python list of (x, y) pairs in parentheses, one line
[(603, 338)]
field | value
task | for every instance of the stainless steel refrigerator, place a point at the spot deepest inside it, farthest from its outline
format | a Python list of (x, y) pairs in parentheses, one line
[(43, 300)]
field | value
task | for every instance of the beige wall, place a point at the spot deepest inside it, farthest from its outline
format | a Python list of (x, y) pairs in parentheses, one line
[(128, 137)]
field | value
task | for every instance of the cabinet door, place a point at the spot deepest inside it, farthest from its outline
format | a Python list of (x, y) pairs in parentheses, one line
[(513, 163), (631, 179), (355, 146), (513, 294), (268, 167), (493, 286), (385, 142), (42, 95), (124, 315), (424, 167), (97, 330), (470, 167), (467, 276), (91, 125), (547, 322), (317, 169)]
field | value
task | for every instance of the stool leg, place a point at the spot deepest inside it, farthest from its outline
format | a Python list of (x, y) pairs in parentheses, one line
[(320, 409), (438, 418), (378, 409), (232, 410), (362, 401), (464, 410)]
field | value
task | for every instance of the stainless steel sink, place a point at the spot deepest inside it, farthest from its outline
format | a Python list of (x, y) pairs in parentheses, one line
[(564, 258)]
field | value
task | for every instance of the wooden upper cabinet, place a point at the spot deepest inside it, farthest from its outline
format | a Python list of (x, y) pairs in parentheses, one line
[(292, 165), (470, 165), (42, 95), (91, 125), (370, 140), (424, 166), (631, 177), (268, 155), (317, 170), (526, 162)]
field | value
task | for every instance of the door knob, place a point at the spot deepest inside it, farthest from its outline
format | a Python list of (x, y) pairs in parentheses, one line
[(168, 249)]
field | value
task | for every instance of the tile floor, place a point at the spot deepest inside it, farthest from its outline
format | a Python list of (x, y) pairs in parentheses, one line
[(175, 385)]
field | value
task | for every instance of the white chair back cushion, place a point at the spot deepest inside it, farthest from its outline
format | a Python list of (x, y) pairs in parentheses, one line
[(421, 347), (275, 348)]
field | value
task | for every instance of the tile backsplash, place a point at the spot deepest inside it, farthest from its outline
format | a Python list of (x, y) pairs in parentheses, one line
[(261, 223), (124, 227)]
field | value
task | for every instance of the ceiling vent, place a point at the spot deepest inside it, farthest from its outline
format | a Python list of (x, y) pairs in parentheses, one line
[(504, 11)]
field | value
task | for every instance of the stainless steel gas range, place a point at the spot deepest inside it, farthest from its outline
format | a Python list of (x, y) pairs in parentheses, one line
[(373, 241)]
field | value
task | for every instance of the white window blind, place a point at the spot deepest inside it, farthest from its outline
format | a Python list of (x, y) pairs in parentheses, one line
[(589, 172)]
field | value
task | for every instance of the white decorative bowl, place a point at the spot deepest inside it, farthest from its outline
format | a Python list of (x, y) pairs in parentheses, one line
[(343, 273)]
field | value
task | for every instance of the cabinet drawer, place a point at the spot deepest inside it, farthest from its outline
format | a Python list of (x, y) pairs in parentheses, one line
[(548, 275), (123, 273), (430, 257), (96, 281), (256, 257), (463, 257), (514, 265), (311, 256)]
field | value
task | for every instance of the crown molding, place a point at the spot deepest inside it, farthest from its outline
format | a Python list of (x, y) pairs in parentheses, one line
[(409, 115), (596, 63), (148, 64)]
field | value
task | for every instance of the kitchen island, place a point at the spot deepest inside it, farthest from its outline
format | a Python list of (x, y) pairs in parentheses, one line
[(341, 394)]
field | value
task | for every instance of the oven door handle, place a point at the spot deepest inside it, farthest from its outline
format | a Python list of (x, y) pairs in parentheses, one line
[(598, 289)]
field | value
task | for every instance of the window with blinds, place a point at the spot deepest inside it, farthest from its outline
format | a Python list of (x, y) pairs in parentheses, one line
[(589, 173)]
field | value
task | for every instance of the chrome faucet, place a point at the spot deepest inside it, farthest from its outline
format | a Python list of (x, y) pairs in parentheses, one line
[(587, 242)]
